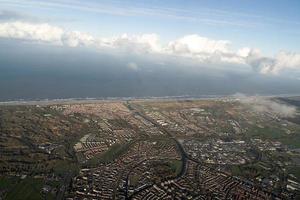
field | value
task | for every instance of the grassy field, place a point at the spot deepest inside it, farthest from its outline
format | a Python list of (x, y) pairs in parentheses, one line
[(29, 188), (276, 134), (65, 166), (112, 153), (295, 170), (176, 166), (251, 170), (7, 182)]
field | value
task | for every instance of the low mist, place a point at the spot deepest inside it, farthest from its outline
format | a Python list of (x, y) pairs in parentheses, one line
[(267, 105)]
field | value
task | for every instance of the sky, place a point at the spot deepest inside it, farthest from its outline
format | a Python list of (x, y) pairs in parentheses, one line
[(198, 38)]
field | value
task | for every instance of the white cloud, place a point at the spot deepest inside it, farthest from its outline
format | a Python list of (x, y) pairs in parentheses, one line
[(244, 52), (195, 44), (286, 60), (133, 66), (204, 50), (145, 43), (200, 49), (28, 31), (267, 105), (44, 33), (268, 65), (75, 38)]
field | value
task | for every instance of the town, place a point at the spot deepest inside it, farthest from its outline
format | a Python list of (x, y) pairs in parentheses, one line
[(218, 148)]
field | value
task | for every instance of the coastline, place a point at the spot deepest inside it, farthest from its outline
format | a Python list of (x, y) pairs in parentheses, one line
[(121, 99)]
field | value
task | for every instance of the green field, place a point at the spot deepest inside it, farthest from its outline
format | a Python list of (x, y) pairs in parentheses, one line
[(64, 166), (276, 134), (29, 188), (112, 153), (7, 182), (295, 170), (176, 166)]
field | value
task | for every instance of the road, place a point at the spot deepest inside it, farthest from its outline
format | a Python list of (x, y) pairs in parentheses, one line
[(179, 147)]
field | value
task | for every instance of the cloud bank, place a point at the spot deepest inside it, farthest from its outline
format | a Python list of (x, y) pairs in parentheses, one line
[(265, 65), (267, 105), (201, 49)]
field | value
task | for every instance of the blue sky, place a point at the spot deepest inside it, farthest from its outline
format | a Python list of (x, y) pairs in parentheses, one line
[(271, 25), (262, 35), (76, 48)]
